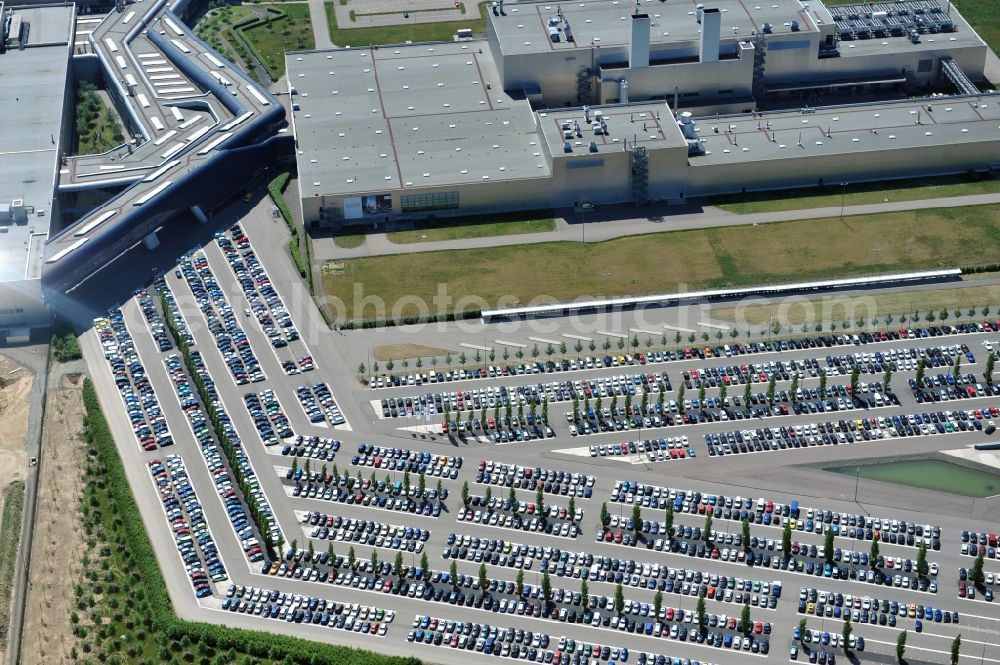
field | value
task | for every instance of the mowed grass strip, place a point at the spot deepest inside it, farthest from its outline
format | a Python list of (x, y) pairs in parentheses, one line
[(10, 536), (291, 33), (670, 261), (837, 307), (406, 32), (983, 16), (854, 194), (465, 231)]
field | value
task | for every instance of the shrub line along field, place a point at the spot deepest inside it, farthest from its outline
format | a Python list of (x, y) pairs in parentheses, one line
[(663, 262), (135, 599), (484, 227), (854, 194), (10, 536)]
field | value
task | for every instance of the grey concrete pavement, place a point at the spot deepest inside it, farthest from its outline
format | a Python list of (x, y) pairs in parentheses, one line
[(320, 26), (608, 223), (784, 475)]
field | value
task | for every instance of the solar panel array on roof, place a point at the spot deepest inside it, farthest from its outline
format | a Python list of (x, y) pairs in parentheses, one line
[(895, 19)]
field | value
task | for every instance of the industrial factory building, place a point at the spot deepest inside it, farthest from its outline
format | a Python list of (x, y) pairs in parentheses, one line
[(604, 101)]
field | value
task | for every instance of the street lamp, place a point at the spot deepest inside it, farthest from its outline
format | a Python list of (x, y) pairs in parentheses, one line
[(843, 196)]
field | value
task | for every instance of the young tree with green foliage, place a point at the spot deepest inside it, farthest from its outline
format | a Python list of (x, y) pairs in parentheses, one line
[(802, 626), (887, 380), (828, 546), (786, 539), (901, 646), (873, 553), (846, 634), (956, 646), (922, 566), (921, 366), (636, 517), (484, 581), (700, 612), (519, 583), (397, 566), (619, 599), (465, 493), (707, 531), (668, 523), (822, 383), (745, 624), (772, 382), (988, 373), (605, 515), (546, 587), (977, 575), (657, 604), (745, 525), (453, 573), (584, 593)]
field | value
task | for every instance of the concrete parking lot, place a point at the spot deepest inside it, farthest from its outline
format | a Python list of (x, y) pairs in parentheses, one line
[(783, 476)]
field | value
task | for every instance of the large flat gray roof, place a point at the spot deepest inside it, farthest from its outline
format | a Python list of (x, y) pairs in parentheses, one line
[(46, 25), (34, 83), (408, 116), (525, 27), (850, 129), (651, 125)]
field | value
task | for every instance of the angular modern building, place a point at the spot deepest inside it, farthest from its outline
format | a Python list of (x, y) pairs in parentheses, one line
[(607, 102), (198, 132)]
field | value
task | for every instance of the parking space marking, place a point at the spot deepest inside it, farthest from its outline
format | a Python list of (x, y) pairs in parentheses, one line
[(612, 334), (516, 345), (544, 340), (644, 331), (582, 338), (678, 328), (709, 324), (476, 347), (911, 646)]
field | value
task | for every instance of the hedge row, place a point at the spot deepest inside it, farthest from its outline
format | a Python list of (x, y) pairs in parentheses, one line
[(276, 189), (254, 643), (65, 346), (363, 324), (982, 267), (259, 517)]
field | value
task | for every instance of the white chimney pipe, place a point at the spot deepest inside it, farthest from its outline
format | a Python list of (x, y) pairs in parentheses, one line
[(638, 43), (711, 27)]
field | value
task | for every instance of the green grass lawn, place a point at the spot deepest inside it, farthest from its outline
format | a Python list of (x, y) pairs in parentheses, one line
[(10, 536), (984, 17), (662, 262), (349, 240), (272, 40), (398, 34), (856, 194), (214, 26), (482, 229)]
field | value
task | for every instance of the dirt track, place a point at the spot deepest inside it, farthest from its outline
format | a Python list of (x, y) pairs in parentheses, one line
[(59, 544)]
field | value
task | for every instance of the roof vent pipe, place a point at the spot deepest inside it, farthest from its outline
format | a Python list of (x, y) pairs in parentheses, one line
[(638, 43), (711, 27)]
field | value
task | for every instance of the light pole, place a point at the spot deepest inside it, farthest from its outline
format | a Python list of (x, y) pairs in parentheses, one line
[(843, 196)]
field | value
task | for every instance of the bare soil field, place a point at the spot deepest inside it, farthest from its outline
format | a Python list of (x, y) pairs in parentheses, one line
[(59, 545), (15, 385)]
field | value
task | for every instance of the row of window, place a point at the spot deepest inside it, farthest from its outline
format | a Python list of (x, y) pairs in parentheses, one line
[(425, 202)]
